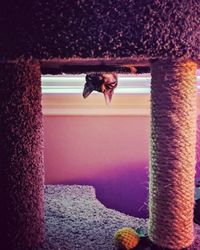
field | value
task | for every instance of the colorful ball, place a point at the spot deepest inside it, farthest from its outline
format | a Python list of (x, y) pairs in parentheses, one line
[(126, 238)]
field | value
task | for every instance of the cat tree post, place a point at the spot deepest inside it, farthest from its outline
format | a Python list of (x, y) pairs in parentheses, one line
[(21, 156), (172, 167)]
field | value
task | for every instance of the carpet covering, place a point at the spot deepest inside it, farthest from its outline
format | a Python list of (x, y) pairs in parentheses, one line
[(76, 220), (99, 29)]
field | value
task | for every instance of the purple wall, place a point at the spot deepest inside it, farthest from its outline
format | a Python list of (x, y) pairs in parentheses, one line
[(110, 153)]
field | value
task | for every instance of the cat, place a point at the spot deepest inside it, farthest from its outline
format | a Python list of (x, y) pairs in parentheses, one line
[(102, 82)]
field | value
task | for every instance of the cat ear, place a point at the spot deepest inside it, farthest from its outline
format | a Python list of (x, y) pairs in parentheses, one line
[(87, 90)]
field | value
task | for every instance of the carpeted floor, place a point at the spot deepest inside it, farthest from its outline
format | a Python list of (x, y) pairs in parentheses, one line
[(76, 220)]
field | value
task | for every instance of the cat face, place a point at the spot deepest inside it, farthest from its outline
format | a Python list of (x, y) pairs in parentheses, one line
[(101, 82), (108, 86)]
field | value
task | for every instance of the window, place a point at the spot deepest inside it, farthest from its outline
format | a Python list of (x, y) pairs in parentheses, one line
[(62, 95)]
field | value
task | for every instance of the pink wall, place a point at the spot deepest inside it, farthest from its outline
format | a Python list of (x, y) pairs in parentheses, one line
[(108, 152)]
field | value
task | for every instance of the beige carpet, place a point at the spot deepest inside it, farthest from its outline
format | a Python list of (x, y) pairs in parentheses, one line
[(76, 220)]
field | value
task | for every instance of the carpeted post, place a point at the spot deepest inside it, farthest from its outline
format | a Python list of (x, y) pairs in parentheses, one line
[(172, 167), (21, 156)]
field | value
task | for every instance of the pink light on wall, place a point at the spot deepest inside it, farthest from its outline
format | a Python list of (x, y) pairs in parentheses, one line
[(110, 153)]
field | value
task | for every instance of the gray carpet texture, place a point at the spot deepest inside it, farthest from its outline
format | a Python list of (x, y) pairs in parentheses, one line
[(76, 220)]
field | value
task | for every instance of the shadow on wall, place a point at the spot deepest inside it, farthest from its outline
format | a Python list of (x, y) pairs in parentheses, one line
[(124, 188)]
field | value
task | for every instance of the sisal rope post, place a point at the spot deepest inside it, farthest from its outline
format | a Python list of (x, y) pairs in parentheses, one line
[(21, 156), (172, 166)]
